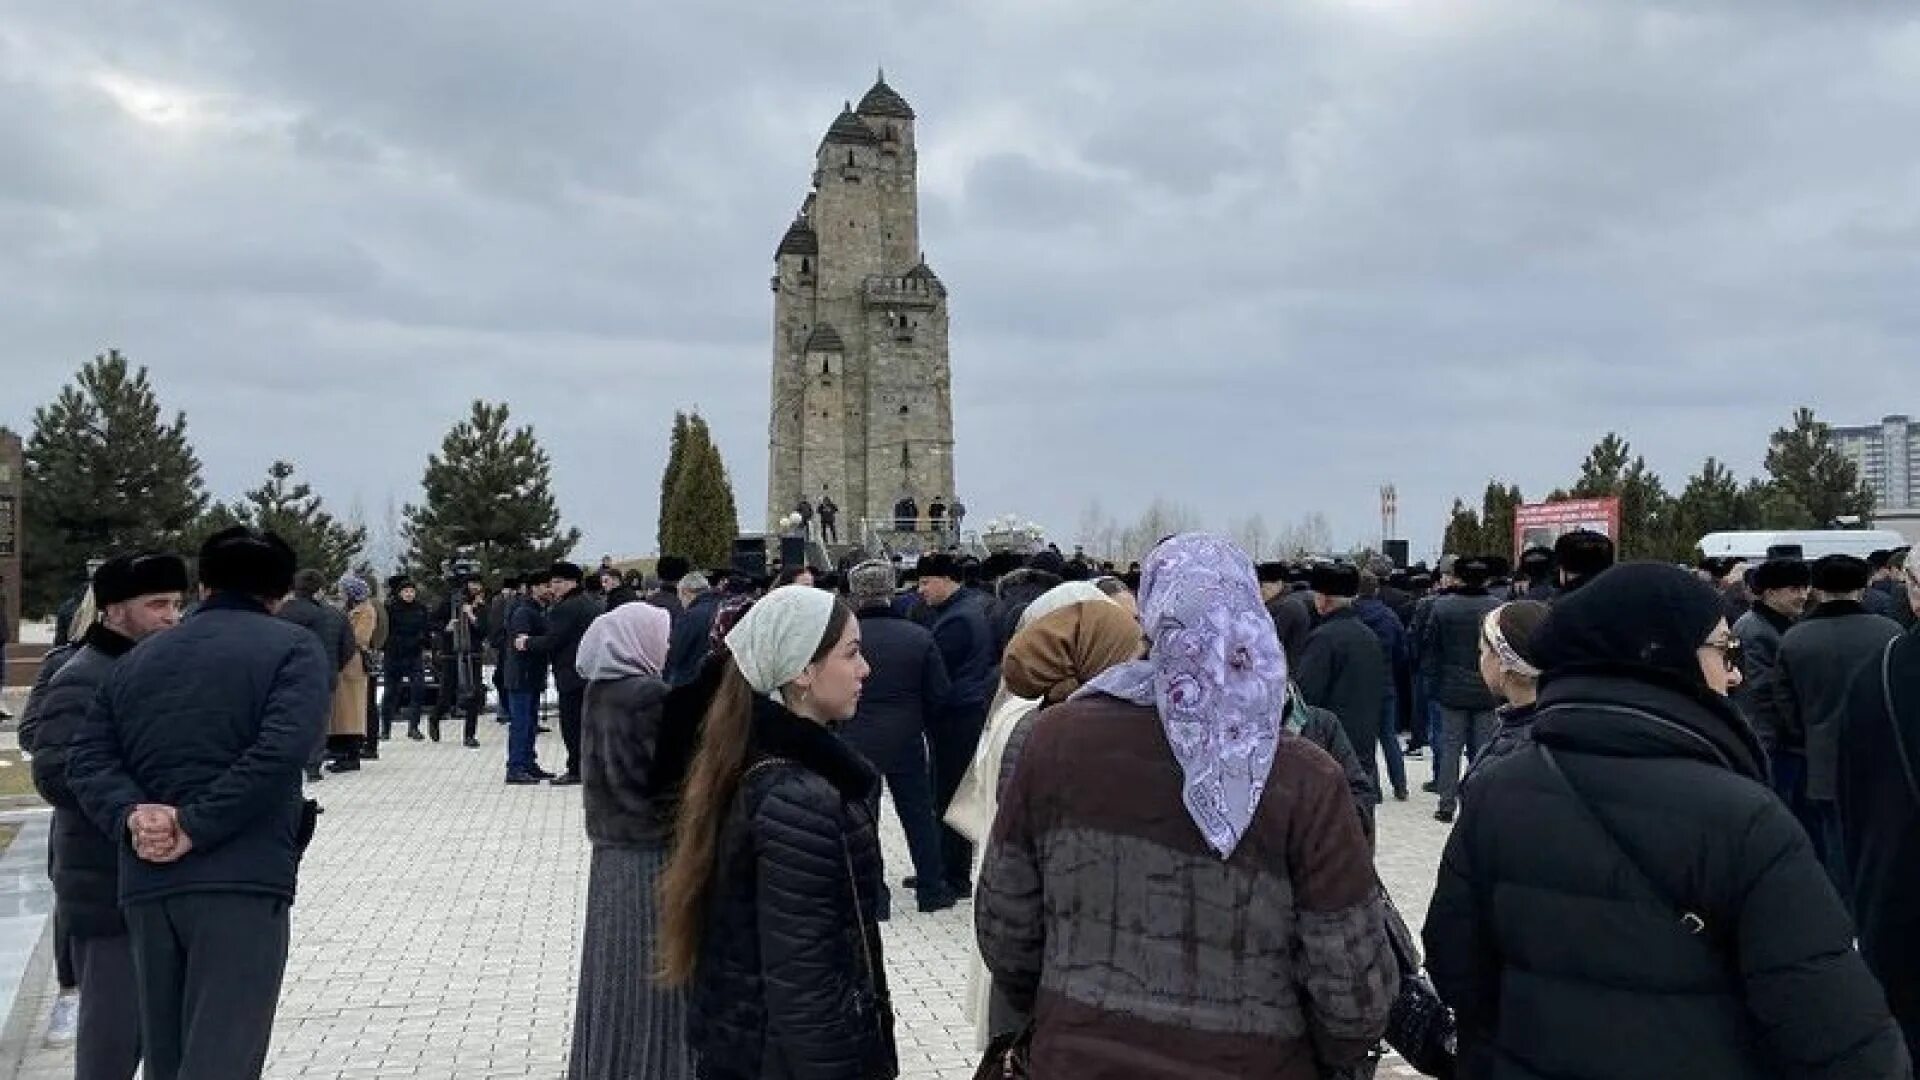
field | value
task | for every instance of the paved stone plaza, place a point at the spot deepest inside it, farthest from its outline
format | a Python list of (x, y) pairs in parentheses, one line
[(437, 931)]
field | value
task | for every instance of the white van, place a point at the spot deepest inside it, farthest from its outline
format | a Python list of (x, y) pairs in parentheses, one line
[(1813, 543)]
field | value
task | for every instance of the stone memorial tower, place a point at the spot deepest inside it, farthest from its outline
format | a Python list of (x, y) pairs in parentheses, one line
[(862, 404)]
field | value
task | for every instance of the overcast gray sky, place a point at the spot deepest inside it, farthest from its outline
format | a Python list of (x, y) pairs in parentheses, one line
[(1247, 256)]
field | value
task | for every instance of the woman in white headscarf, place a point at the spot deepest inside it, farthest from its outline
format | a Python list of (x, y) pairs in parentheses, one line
[(770, 901), (634, 754)]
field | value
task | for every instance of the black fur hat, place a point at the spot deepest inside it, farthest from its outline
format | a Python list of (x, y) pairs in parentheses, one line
[(125, 577), (248, 562)]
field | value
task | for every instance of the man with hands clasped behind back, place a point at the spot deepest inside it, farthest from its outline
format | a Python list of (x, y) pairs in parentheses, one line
[(194, 751)]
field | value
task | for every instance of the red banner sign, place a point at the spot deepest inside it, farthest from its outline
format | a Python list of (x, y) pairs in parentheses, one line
[(1540, 524)]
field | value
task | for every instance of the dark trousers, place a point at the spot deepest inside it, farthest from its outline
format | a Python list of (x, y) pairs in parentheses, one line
[(500, 691), (953, 740), (107, 1046), (63, 970), (1464, 732), (451, 696), (209, 967), (571, 703), (406, 685), (903, 763), (373, 721), (1390, 745), (523, 711)]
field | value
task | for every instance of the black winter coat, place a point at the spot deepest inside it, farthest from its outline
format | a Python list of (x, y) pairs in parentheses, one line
[(691, 639), (1880, 822), (216, 717), (633, 760), (567, 623), (1344, 670), (967, 647), (328, 625), (50, 666), (409, 631), (790, 982), (1813, 679), (86, 861), (1293, 621), (907, 684), (1450, 649), (1562, 961), (1759, 632), (1012, 597)]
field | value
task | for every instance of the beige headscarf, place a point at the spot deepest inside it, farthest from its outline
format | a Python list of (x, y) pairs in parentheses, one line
[(1054, 656)]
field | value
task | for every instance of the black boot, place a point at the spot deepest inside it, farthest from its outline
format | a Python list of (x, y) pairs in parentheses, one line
[(386, 726), (370, 750), (470, 731), (433, 727), (314, 774), (413, 727)]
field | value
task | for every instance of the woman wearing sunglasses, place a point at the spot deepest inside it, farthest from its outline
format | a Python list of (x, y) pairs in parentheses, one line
[(1627, 897)]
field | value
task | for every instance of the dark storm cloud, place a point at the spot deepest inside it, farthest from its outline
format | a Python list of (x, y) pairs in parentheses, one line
[(1247, 257)]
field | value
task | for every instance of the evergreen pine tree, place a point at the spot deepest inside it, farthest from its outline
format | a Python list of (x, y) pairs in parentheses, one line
[(1817, 480), (1463, 533), (676, 460), (1497, 509), (105, 473), (488, 495), (293, 512), (701, 521)]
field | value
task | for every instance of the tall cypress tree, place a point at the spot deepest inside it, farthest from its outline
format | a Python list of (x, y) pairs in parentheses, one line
[(105, 473), (489, 494), (676, 460), (701, 521)]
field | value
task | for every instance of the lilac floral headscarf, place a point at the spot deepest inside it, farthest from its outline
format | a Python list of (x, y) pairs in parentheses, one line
[(1215, 673)]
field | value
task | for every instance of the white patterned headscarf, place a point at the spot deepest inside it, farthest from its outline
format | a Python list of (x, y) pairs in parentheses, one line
[(776, 639), (1060, 597), (1216, 675)]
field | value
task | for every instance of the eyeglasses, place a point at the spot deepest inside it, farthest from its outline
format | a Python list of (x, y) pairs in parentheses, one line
[(1729, 652)]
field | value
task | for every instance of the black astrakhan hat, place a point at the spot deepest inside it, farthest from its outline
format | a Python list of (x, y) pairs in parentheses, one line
[(125, 577), (1781, 574), (1840, 573), (1335, 579), (247, 561)]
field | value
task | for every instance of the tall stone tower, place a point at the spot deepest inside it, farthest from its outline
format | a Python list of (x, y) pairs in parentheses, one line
[(862, 406)]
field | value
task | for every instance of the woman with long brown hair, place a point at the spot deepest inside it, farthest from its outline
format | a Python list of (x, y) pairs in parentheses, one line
[(769, 900)]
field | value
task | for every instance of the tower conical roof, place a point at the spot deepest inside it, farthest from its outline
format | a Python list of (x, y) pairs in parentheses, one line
[(849, 128), (800, 240), (884, 100), (825, 339)]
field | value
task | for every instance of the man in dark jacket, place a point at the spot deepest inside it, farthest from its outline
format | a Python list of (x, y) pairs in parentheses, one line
[(1819, 660), (692, 629), (497, 644), (670, 569), (526, 683), (1291, 611), (1373, 609), (1879, 803), (567, 621), (1343, 668), (1887, 592), (1780, 589), (906, 686), (329, 626), (460, 630), (1581, 556), (138, 596), (1017, 590), (193, 750), (1450, 663), (966, 645), (404, 661), (1536, 575)]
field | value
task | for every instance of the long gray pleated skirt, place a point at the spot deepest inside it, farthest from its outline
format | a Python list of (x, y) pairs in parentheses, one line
[(626, 1025)]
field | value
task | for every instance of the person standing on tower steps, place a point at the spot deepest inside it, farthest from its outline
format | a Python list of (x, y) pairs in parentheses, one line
[(193, 751), (937, 520), (829, 518), (567, 621), (139, 596), (805, 510)]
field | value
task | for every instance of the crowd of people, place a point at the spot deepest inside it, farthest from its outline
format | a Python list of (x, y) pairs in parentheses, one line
[(1679, 798)]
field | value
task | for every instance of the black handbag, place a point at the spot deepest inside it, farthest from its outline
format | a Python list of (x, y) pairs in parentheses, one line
[(1420, 1025), (1008, 1056)]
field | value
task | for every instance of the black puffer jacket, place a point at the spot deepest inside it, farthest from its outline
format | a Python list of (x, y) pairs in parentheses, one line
[(783, 989), (409, 626), (1450, 649), (86, 863), (1771, 987)]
